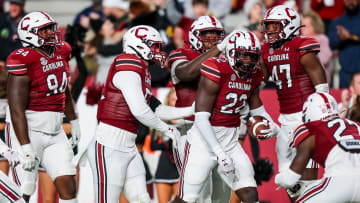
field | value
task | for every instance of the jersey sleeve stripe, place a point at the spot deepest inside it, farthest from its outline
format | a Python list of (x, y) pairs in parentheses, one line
[(317, 46), (210, 70), (299, 135), (209, 73), (17, 67), (176, 55), (126, 61)]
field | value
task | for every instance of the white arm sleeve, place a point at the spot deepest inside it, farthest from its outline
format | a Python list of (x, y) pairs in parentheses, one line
[(206, 130), (129, 83), (167, 113), (174, 79)]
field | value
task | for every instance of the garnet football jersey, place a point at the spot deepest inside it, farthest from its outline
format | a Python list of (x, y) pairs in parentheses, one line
[(49, 76), (234, 91), (185, 90), (112, 107), (329, 133), (283, 64)]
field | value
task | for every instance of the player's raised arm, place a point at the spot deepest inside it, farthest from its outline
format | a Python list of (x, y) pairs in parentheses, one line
[(205, 33)]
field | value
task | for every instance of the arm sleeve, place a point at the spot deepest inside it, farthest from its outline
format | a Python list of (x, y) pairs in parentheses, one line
[(207, 132), (167, 113), (129, 83)]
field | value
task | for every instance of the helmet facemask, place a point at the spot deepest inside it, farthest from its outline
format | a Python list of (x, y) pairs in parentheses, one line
[(274, 31), (47, 34), (156, 54), (210, 38), (245, 61)]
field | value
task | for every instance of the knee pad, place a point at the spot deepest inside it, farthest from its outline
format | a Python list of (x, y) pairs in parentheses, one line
[(28, 188), (143, 198)]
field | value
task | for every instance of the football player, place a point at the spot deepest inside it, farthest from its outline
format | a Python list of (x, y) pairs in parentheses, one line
[(206, 35), (114, 159), (332, 142), (226, 86), (292, 63), (38, 96)]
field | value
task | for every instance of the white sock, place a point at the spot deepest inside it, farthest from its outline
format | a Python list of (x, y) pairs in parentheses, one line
[(68, 200)]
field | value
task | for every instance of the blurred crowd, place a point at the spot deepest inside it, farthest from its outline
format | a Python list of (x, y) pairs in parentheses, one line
[(96, 39)]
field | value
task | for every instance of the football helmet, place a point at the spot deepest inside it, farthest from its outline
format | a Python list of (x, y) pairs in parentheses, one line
[(280, 23), (29, 30), (319, 106), (145, 42), (199, 28), (243, 51)]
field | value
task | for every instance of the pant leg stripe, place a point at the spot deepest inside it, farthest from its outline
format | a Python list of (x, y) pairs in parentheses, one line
[(97, 173), (100, 172), (177, 160), (314, 191), (181, 182), (105, 172), (8, 192)]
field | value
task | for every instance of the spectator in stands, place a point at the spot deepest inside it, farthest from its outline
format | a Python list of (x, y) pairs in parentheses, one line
[(166, 175), (328, 10), (116, 10), (349, 96), (314, 27), (344, 36), (199, 8), (8, 29), (195, 9), (95, 8), (254, 11)]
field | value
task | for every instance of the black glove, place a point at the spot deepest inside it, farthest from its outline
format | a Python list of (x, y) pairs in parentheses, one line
[(264, 169)]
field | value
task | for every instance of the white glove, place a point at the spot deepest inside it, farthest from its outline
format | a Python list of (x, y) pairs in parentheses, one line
[(226, 168), (30, 158), (75, 132), (12, 157), (173, 134), (221, 46), (287, 179), (269, 133)]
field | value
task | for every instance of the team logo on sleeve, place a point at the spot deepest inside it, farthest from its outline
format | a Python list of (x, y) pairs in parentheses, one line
[(233, 77), (43, 61), (271, 50)]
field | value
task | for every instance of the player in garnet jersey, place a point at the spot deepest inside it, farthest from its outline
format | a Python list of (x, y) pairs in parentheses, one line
[(332, 142), (205, 37), (126, 101), (292, 63), (226, 86), (39, 96)]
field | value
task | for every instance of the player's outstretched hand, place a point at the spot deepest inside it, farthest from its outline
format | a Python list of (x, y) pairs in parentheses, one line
[(75, 132), (30, 158), (12, 157), (173, 134)]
